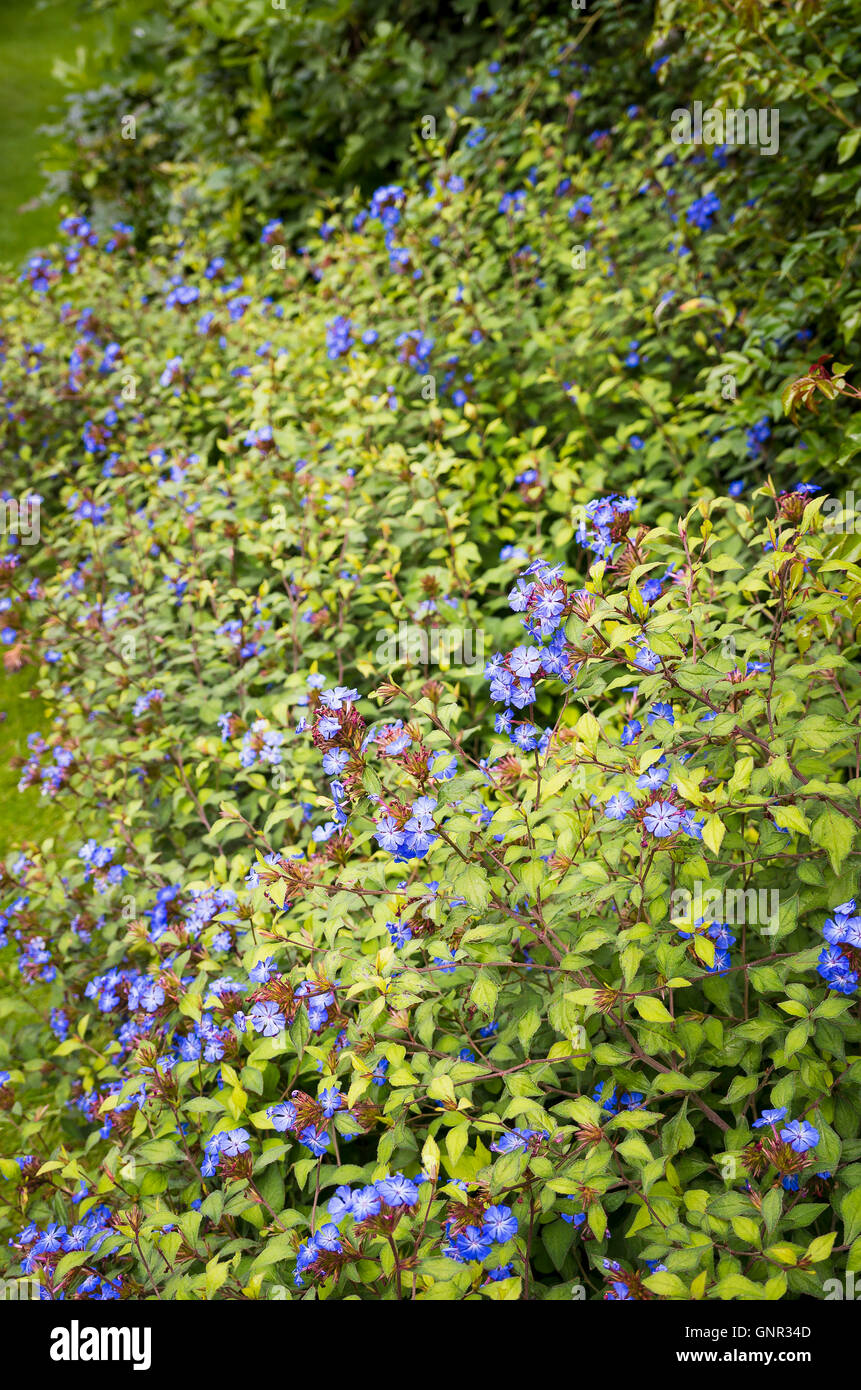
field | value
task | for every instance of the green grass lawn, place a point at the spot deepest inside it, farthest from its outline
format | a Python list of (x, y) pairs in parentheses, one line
[(33, 34)]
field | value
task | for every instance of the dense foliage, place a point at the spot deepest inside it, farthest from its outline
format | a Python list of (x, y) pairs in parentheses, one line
[(449, 648), (255, 107)]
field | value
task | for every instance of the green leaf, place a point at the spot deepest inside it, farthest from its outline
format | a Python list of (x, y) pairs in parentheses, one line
[(484, 993), (835, 833), (280, 1248), (666, 1285), (713, 832), (791, 818), (820, 1247), (217, 1272), (796, 1038), (597, 1220), (772, 1205), (740, 1087), (651, 1009), (557, 1237), (850, 1210), (736, 1286), (677, 1134), (71, 1261), (471, 883)]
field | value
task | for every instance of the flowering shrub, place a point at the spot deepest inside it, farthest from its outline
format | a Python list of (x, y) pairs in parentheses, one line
[(458, 980), (533, 976)]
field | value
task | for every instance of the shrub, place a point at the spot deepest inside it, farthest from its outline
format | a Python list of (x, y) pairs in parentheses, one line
[(532, 969), (462, 740)]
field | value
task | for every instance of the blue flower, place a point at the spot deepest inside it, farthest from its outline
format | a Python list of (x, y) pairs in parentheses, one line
[(800, 1136), (335, 761), (662, 819), (267, 1018), (366, 1203), (473, 1244), (397, 1190), (341, 1204), (339, 337), (653, 779), (234, 1142), (500, 1224), (769, 1117), (331, 1101), (525, 661), (338, 697), (318, 1143), (283, 1116), (619, 805), (328, 1237), (702, 211), (611, 1104)]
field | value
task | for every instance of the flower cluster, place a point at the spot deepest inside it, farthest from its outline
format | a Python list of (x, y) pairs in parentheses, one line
[(543, 598), (376, 1208), (840, 962)]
